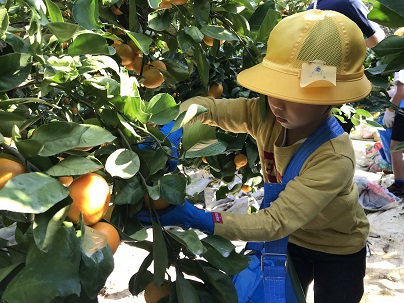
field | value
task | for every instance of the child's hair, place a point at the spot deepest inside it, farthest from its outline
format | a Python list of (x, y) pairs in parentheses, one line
[(313, 57)]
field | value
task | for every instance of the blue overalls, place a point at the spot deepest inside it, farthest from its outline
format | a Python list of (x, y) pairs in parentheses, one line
[(268, 278)]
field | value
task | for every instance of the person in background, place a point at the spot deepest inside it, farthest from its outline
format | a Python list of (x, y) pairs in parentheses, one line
[(357, 11), (319, 66), (393, 120)]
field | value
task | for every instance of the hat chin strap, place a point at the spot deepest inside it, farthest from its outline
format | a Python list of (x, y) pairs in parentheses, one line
[(315, 4)]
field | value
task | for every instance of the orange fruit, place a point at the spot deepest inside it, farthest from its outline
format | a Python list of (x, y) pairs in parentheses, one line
[(158, 204), (165, 4), (111, 233), (84, 148), (115, 10), (215, 90), (66, 180), (91, 196), (204, 160), (134, 47), (9, 169), (136, 64), (153, 294), (125, 52), (245, 188), (152, 77), (159, 64), (115, 31), (208, 40), (240, 160), (179, 2), (75, 110)]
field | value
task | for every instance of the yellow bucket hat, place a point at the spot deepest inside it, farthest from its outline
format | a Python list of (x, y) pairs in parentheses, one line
[(313, 57)]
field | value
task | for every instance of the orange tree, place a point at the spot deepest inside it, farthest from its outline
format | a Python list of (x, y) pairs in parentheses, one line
[(82, 90)]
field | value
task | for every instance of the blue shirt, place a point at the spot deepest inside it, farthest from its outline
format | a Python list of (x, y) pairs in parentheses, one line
[(355, 10)]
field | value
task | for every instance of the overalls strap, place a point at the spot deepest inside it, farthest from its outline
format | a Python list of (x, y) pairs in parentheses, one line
[(275, 277)]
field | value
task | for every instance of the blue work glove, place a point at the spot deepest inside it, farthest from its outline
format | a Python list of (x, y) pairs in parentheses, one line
[(175, 139), (186, 216)]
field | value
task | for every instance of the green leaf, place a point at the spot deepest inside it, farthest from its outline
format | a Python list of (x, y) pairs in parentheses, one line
[(3, 23), (123, 163), (74, 166), (192, 112), (31, 193), (15, 68), (389, 13), (8, 121), (62, 30), (61, 70), (185, 291), (271, 19), (86, 13), (221, 283), (54, 273), (89, 43), (160, 255), (189, 239), (142, 41), (46, 225), (163, 109), (96, 63), (160, 20), (222, 245), (194, 33), (51, 276), (62, 136), (172, 189), (218, 32), (180, 73), (389, 46), (151, 161), (198, 133), (131, 193), (92, 241), (154, 3), (202, 11), (95, 270), (231, 265), (202, 65), (54, 12), (208, 149)]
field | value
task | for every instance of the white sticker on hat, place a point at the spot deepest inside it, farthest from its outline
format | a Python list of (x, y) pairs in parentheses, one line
[(317, 74)]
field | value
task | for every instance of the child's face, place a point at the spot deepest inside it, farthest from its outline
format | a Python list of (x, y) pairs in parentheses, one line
[(293, 115)]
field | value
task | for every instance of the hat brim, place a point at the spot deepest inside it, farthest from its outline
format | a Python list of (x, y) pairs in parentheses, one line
[(286, 86)]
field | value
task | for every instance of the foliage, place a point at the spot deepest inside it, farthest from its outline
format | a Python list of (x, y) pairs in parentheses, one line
[(71, 108)]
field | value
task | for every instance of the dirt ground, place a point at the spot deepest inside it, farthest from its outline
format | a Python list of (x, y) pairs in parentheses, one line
[(384, 281)]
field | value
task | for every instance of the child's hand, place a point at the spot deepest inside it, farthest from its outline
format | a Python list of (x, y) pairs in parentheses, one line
[(186, 216)]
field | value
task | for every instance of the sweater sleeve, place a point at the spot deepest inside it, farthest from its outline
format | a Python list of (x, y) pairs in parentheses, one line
[(240, 115), (306, 201)]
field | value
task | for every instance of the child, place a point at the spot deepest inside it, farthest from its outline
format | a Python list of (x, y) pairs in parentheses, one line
[(313, 61)]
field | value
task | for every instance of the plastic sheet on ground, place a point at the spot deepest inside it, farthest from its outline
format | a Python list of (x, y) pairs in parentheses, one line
[(374, 197)]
